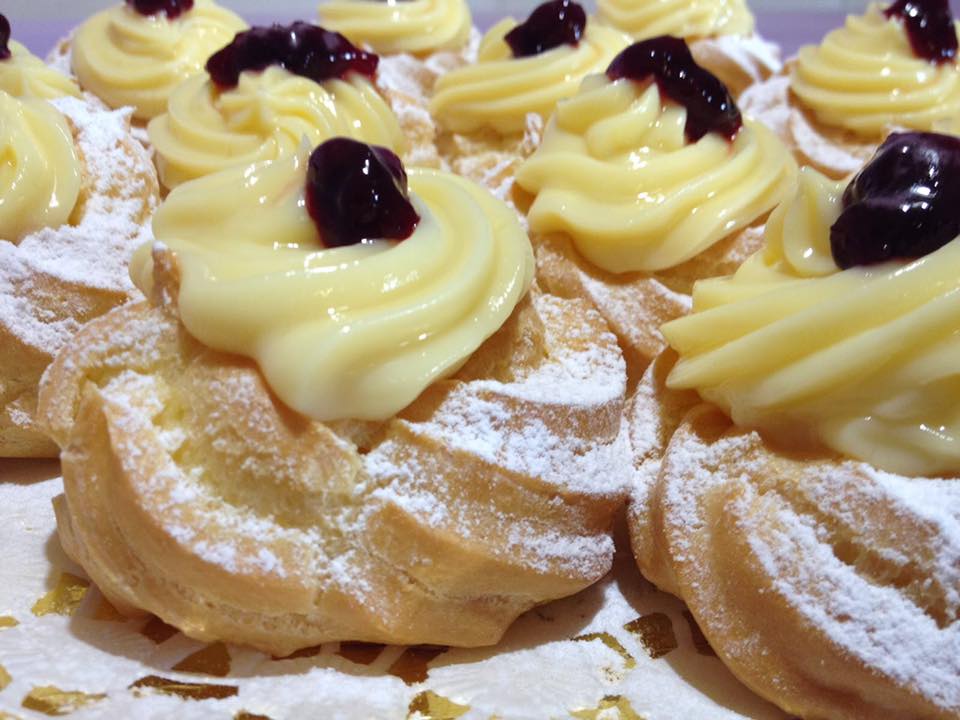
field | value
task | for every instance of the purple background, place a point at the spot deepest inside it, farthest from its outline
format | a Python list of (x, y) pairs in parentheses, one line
[(789, 29)]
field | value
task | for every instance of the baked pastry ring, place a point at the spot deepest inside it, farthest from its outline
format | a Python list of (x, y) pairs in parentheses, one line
[(55, 279)]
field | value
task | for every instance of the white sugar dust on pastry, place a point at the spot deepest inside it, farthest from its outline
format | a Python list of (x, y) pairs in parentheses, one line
[(264, 94), (75, 205), (407, 446), (645, 181), (490, 111), (721, 34), (137, 52), (816, 535), (878, 73)]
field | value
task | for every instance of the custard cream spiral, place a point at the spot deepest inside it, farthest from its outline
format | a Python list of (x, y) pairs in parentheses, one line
[(126, 58), (24, 75), (616, 172), (400, 26), (689, 19), (267, 115), (350, 332), (41, 174), (499, 91), (865, 78), (862, 360)]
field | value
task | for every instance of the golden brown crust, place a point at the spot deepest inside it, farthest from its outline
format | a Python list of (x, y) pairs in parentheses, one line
[(827, 587), (58, 279), (193, 493)]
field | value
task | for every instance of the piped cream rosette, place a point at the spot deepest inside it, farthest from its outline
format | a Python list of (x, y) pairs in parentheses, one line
[(352, 332), (404, 26), (491, 113), (645, 210), (720, 33), (844, 96), (25, 75), (266, 116), (126, 58), (858, 360)]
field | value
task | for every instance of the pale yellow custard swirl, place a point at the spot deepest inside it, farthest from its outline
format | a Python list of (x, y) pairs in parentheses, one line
[(24, 75), (267, 115), (616, 172), (400, 26), (862, 360), (126, 58), (689, 19), (351, 332), (40, 175), (499, 91), (865, 78)]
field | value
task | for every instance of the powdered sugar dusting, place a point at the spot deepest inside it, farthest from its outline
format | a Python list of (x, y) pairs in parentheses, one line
[(38, 275)]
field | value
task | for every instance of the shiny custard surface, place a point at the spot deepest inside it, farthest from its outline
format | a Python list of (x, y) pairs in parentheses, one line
[(41, 175), (861, 360), (689, 19), (866, 78), (412, 26), (617, 172), (347, 332), (24, 75), (500, 90), (126, 58)]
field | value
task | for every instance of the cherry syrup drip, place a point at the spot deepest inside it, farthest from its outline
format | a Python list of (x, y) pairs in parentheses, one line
[(904, 203), (556, 23), (5, 53), (172, 8), (710, 107), (301, 48), (929, 25), (357, 193)]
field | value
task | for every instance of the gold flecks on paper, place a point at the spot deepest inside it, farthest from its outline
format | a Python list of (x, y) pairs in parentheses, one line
[(430, 706), (212, 660), (612, 707), (360, 653), (157, 631), (244, 715), (655, 633), (8, 621), (64, 599), (412, 665), (5, 678), (700, 641), (611, 642), (185, 690), (53, 701)]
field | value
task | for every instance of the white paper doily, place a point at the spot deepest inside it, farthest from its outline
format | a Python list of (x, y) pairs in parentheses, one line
[(620, 650)]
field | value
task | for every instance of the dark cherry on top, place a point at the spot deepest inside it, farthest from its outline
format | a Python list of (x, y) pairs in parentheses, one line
[(172, 8), (929, 25), (556, 23), (904, 203), (358, 192), (301, 48), (4, 38), (667, 60)]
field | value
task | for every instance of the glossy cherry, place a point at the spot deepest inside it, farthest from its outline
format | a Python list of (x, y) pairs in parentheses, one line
[(4, 38), (667, 60), (172, 8), (556, 23), (929, 25), (301, 48), (358, 192), (904, 203)]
